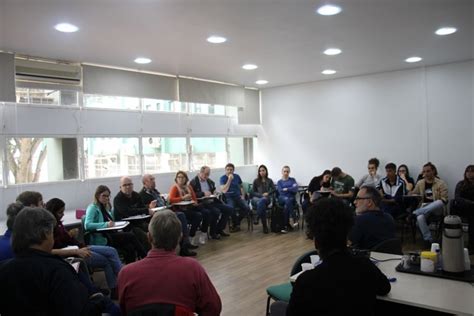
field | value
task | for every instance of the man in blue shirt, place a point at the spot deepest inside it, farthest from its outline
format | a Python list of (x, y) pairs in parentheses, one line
[(371, 226), (287, 189), (231, 186)]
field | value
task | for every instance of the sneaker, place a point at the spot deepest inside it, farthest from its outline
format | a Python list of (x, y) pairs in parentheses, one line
[(283, 231), (223, 234), (295, 224), (202, 238), (194, 240)]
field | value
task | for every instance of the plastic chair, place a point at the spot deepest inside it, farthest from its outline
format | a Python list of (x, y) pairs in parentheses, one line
[(282, 292)]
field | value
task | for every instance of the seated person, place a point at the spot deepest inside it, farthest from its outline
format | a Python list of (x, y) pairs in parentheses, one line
[(463, 204), (231, 186), (127, 203), (203, 186), (163, 277), (6, 251), (404, 174), (342, 284), (262, 187), (287, 189), (434, 197), (318, 183), (30, 198), (181, 191), (102, 257), (371, 179), (372, 226), (99, 215), (36, 282), (392, 189), (342, 185), (149, 193)]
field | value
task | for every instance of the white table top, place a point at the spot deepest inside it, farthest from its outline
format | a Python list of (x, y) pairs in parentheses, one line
[(135, 217), (118, 225), (426, 292)]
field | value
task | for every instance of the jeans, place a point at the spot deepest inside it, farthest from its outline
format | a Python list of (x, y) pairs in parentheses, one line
[(261, 204), (194, 218), (288, 203), (225, 211), (237, 202), (433, 208), (106, 258)]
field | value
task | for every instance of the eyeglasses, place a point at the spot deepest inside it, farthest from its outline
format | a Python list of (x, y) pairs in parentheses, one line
[(362, 198)]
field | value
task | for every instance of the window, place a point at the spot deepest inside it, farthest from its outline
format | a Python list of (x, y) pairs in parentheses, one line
[(208, 151), (47, 97), (106, 157), (111, 102), (163, 105), (41, 159), (164, 154), (241, 150), (200, 108)]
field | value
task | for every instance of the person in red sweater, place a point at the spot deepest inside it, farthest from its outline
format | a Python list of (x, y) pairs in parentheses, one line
[(163, 277), (183, 199)]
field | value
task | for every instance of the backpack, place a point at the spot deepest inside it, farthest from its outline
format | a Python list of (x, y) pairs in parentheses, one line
[(276, 218)]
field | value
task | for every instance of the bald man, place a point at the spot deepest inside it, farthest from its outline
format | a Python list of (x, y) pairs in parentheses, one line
[(148, 194), (129, 203)]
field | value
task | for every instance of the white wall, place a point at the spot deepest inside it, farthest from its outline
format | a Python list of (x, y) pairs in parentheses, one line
[(410, 116)]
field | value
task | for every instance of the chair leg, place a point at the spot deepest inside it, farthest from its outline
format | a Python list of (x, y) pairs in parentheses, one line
[(268, 305)]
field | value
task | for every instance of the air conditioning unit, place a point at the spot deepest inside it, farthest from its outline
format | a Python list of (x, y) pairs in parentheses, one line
[(47, 72)]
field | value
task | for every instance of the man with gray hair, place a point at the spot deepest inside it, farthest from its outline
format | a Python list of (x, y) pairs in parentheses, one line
[(36, 282), (183, 282)]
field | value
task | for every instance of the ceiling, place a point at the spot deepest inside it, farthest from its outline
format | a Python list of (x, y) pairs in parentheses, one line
[(285, 38)]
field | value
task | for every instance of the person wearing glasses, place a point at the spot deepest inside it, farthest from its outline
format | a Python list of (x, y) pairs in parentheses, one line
[(371, 225), (404, 174), (372, 178), (184, 199), (127, 203), (262, 188), (99, 215), (204, 188), (149, 193)]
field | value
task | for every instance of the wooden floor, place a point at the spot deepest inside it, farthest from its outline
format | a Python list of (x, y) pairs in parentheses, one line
[(242, 266)]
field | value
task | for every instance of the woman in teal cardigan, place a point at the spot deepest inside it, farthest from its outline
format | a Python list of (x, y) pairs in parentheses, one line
[(99, 215)]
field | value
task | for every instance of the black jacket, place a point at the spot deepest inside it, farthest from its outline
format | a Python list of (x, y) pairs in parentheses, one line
[(195, 183), (341, 285), (128, 206), (147, 197), (39, 283)]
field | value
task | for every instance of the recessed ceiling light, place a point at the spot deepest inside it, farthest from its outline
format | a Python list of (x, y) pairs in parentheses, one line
[(446, 31), (142, 60), (261, 82), (413, 59), (214, 39), (328, 72), (332, 51), (249, 66), (66, 28), (329, 9)]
